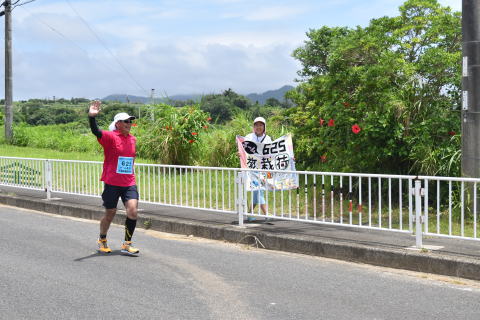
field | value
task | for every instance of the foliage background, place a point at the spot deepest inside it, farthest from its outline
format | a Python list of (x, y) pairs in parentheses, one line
[(381, 99), (397, 79)]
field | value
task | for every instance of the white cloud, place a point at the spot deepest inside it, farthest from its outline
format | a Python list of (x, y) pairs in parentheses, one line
[(258, 39), (170, 69), (274, 13), (265, 13), (191, 46)]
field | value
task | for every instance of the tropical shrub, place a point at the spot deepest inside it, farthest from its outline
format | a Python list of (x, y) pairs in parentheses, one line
[(173, 135), (384, 98)]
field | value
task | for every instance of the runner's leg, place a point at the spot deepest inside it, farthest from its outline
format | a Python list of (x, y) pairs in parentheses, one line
[(107, 220), (110, 197), (131, 220)]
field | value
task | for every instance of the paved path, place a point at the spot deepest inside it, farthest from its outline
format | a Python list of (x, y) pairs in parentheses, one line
[(50, 270), (454, 257)]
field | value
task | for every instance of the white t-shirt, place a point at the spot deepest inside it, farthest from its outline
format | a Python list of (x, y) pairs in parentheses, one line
[(254, 138)]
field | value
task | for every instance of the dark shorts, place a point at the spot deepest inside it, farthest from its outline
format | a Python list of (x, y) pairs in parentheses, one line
[(111, 194)]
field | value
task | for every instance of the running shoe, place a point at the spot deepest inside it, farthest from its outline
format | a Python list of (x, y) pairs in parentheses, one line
[(103, 246), (128, 248)]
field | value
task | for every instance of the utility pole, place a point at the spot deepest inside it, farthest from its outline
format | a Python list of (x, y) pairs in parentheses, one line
[(471, 88), (152, 102), (8, 72)]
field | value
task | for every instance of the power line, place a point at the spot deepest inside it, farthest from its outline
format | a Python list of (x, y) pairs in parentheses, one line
[(67, 39), (21, 4), (13, 5), (86, 52), (106, 48)]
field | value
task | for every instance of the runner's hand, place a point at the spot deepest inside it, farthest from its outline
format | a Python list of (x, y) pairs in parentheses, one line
[(94, 108)]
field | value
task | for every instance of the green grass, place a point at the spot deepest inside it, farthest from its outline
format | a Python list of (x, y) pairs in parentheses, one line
[(7, 150)]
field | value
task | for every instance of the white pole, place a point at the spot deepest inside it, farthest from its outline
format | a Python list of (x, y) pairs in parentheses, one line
[(418, 214), (239, 197), (48, 178)]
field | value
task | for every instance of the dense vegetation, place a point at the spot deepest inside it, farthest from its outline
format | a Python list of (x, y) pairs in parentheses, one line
[(383, 98), (184, 134)]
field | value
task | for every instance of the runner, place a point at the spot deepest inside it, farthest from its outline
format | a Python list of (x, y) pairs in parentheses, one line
[(118, 176)]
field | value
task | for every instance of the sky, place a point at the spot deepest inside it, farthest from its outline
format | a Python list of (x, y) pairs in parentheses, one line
[(94, 48)]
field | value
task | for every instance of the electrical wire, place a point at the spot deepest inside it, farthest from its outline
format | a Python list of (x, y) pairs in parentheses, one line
[(106, 48), (69, 40), (21, 4)]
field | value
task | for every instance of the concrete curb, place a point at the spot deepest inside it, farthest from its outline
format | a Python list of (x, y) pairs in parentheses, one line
[(387, 257)]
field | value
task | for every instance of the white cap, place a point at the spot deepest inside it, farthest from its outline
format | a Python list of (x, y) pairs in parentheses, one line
[(119, 117), (260, 119)]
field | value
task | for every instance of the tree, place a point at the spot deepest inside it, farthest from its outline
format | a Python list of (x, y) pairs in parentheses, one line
[(273, 102), (220, 108), (237, 100), (383, 98)]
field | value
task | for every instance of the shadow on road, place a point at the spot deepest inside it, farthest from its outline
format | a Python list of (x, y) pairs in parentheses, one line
[(98, 254)]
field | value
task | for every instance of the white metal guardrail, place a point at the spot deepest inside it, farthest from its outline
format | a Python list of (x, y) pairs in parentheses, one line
[(438, 206)]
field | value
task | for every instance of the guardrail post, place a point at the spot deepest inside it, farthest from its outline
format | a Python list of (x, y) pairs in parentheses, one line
[(239, 196), (418, 214), (48, 179)]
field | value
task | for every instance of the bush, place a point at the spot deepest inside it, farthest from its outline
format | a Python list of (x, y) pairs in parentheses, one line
[(219, 148), (174, 134), (384, 98)]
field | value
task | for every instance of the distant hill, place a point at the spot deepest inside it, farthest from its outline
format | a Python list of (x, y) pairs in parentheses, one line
[(138, 99), (254, 97), (278, 94), (126, 98)]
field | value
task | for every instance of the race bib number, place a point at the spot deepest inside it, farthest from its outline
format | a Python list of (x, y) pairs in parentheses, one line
[(125, 165)]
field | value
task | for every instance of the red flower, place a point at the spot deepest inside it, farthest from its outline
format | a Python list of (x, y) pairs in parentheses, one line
[(134, 124), (356, 128), (346, 104), (321, 121), (209, 119), (194, 133), (323, 158), (452, 133), (191, 141), (331, 123), (205, 127)]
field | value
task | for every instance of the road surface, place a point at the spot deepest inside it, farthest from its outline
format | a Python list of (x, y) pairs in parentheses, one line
[(50, 270)]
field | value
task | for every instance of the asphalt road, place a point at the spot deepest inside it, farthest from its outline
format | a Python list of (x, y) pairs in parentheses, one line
[(50, 270)]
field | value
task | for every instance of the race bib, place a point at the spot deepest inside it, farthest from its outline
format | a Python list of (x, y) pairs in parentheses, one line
[(125, 165)]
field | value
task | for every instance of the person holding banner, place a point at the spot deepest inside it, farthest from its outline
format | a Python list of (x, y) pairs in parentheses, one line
[(259, 134), (118, 176)]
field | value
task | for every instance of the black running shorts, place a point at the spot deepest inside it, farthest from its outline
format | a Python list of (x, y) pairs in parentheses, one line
[(111, 194)]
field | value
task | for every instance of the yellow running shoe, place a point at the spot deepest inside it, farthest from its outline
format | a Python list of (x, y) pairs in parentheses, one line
[(128, 248), (103, 246)]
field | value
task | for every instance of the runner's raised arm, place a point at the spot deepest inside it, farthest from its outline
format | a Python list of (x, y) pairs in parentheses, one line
[(92, 113)]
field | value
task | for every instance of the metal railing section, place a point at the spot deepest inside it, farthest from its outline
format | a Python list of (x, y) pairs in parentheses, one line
[(361, 200), (206, 188), (437, 206), (26, 173)]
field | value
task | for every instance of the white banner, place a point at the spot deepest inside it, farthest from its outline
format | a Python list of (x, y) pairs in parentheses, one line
[(277, 155)]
